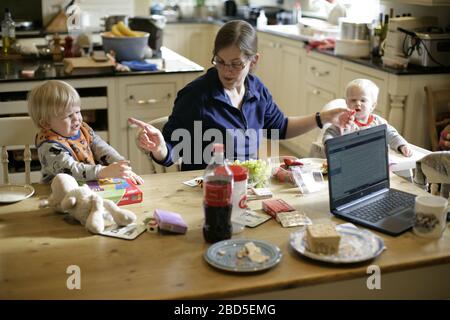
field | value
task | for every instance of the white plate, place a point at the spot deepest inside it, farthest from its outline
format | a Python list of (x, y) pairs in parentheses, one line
[(356, 245), (223, 255), (12, 193)]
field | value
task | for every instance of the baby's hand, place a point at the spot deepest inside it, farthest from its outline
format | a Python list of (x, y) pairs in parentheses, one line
[(406, 151), (135, 178), (120, 169)]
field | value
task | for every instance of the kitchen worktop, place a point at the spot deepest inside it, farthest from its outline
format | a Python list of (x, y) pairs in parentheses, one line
[(11, 70), (292, 32)]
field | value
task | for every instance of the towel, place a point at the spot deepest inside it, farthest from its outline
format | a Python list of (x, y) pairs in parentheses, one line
[(140, 65)]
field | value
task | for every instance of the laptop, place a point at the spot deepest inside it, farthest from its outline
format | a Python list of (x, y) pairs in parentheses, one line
[(359, 186)]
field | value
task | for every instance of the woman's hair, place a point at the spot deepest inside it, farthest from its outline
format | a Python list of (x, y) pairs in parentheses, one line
[(51, 99), (238, 33), (366, 85)]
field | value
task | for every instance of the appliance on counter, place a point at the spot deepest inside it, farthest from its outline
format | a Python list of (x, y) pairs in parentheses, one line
[(429, 47), (229, 8), (396, 40), (26, 14), (154, 25)]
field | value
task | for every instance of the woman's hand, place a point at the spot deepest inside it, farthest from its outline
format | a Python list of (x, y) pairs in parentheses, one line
[(341, 117), (150, 139)]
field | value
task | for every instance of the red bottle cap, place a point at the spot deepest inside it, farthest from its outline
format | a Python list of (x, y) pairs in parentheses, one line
[(239, 173)]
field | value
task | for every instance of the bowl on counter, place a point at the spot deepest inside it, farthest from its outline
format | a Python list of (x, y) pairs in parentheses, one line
[(126, 48)]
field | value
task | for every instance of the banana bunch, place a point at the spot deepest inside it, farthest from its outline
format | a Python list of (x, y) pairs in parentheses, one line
[(122, 30)]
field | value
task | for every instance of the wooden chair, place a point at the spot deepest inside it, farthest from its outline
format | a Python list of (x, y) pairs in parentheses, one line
[(15, 132), (438, 111)]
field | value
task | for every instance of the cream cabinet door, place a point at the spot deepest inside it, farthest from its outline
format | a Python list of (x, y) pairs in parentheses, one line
[(315, 99), (268, 68)]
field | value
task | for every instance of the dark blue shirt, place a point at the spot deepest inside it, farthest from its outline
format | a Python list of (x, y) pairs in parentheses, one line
[(205, 115)]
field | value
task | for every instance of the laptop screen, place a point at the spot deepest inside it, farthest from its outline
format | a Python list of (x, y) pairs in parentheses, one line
[(357, 165)]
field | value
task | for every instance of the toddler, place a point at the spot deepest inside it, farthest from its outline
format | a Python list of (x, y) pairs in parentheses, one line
[(361, 97), (65, 143)]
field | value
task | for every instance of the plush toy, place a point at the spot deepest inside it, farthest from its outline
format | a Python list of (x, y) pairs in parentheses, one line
[(90, 209)]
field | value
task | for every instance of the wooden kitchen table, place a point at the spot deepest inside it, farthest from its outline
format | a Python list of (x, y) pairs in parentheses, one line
[(37, 246)]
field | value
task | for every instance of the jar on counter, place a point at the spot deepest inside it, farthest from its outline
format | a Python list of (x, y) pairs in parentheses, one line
[(239, 197)]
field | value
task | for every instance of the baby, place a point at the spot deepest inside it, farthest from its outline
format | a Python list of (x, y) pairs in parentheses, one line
[(361, 97), (65, 143)]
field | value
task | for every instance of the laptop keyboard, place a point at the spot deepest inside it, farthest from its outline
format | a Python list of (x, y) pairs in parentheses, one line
[(383, 207)]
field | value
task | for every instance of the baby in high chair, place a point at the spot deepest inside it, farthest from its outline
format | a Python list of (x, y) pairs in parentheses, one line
[(361, 96)]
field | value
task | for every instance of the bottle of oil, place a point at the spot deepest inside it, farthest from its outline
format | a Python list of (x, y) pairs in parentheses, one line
[(8, 33)]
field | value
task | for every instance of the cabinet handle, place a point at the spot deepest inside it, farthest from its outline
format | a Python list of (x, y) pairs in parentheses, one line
[(131, 99), (317, 73), (316, 92)]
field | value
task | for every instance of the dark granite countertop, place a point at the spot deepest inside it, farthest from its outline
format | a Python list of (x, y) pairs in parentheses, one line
[(11, 70)]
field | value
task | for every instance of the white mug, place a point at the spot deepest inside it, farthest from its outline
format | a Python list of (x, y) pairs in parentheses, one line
[(430, 216)]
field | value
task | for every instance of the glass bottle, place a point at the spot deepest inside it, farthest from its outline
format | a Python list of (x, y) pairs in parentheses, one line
[(217, 197), (8, 33)]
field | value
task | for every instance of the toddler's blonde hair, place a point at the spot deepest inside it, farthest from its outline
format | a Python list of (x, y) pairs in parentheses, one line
[(49, 100), (366, 85)]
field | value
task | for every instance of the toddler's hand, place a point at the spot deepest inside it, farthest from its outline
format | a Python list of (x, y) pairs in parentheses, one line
[(406, 151), (135, 178), (120, 169)]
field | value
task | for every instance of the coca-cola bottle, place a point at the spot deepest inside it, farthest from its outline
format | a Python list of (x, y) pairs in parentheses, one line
[(217, 202)]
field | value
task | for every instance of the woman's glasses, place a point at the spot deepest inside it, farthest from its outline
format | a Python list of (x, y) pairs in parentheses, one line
[(237, 65)]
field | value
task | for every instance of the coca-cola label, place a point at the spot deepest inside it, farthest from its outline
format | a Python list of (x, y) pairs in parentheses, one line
[(217, 194), (243, 202)]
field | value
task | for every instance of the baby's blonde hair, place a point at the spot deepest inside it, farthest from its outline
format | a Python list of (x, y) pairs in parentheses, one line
[(366, 85), (51, 99)]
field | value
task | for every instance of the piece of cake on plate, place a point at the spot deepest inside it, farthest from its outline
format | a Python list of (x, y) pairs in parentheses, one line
[(323, 238)]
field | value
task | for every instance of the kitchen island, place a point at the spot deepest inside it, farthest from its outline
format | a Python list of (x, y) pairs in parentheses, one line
[(37, 246)]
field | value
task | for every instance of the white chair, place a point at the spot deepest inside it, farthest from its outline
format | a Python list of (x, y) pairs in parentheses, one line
[(16, 132), (155, 167)]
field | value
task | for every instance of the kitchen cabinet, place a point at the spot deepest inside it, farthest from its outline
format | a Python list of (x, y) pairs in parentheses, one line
[(145, 98), (321, 78), (194, 41), (281, 69)]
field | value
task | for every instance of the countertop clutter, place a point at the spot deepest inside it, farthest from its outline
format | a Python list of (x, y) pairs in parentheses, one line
[(26, 70)]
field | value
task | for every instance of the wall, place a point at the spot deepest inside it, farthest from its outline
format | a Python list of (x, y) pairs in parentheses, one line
[(442, 12)]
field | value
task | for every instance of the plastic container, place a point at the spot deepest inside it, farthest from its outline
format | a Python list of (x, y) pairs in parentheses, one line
[(240, 177), (261, 21), (217, 198), (126, 48)]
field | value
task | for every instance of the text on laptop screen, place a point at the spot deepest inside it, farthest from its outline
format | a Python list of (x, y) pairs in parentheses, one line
[(357, 164)]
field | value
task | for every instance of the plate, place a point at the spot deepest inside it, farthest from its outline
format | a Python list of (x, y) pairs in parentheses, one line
[(357, 245), (223, 255), (10, 193)]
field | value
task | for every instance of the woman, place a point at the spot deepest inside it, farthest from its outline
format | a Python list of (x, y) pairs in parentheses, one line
[(228, 105)]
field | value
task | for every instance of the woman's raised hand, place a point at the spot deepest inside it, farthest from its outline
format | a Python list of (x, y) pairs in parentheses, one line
[(150, 139)]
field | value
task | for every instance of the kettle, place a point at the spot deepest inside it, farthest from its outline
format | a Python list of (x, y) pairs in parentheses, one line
[(230, 8)]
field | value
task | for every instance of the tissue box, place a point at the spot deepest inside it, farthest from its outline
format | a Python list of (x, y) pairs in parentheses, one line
[(170, 221)]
